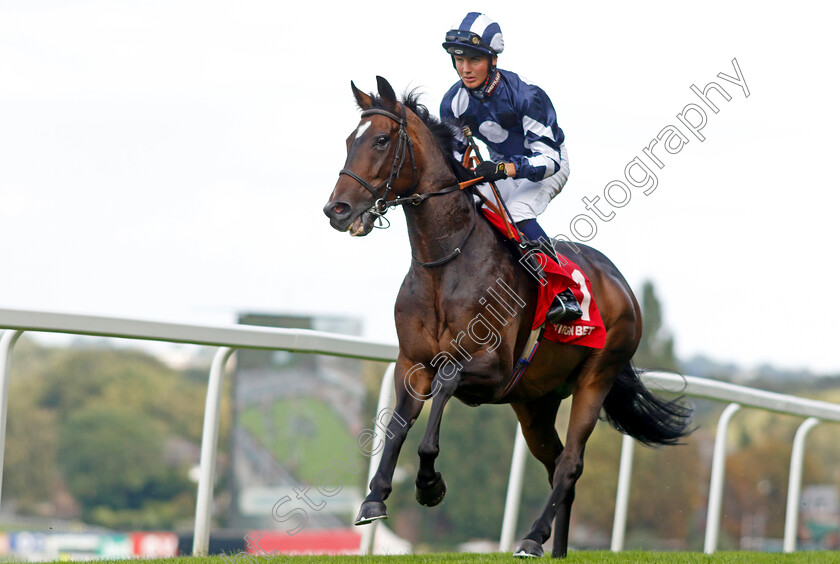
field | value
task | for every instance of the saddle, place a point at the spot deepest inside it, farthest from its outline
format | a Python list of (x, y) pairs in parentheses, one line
[(589, 330)]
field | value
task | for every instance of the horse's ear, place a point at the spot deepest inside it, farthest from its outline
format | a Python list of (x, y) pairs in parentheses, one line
[(386, 91), (365, 102)]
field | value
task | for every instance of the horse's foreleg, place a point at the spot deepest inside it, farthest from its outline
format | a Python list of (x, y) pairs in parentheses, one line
[(407, 409), (430, 487)]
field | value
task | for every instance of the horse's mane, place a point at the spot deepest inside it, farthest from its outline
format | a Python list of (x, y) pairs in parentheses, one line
[(443, 132)]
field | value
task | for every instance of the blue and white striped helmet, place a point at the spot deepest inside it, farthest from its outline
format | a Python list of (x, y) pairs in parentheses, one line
[(475, 33)]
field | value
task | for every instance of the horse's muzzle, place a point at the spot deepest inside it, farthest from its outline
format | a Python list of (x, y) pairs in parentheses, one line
[(343, 218)]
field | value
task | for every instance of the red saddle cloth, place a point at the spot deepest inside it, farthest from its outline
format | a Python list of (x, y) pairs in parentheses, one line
[(588, 331)]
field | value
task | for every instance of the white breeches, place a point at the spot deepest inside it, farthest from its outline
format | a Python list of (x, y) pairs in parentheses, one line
[(526, 199)]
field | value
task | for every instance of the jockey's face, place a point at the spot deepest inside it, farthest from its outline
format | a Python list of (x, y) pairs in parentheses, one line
[(473, 70)]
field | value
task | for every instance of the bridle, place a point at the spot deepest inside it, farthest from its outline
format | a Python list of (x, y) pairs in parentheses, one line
[(381, 205), (404, 143)]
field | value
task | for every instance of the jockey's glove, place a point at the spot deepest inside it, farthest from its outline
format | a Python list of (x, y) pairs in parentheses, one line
[(491, 171)]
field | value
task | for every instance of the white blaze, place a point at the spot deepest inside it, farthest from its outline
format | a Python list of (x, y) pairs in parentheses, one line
[(362, 128)]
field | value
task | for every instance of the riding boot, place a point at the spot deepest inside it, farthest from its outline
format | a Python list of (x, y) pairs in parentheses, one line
[(565, 307), (533, 232)]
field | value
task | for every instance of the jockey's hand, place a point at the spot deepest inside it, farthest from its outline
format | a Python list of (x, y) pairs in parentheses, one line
[(491, 171)]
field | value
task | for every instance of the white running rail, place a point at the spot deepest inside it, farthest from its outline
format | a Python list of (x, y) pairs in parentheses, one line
[(227, 338), (738, 397), (231, 337)]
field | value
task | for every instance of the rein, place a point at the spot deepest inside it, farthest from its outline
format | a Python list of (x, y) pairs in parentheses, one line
[(381, 206)]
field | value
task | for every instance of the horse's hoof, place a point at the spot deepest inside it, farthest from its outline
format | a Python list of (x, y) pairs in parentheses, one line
[(371, 511), (528, 548), (433, 494)]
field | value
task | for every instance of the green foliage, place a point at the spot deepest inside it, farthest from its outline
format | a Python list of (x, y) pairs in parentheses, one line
[(757, 472), (153, 514), (656, 348), (110, 456), (79, 379), (91, 433), (666, 492), (654, 492), (30, 454), (31, 440)]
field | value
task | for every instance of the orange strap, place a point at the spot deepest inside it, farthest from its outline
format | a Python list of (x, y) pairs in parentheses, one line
[(470, 162), (467, 159)]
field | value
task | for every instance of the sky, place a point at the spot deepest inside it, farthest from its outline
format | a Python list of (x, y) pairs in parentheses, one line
[(169, 160)]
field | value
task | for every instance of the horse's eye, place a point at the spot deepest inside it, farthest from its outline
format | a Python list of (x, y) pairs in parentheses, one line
[(381, 141)]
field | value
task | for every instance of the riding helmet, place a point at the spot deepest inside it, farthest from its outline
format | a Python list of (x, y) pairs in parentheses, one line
[(476, 34)]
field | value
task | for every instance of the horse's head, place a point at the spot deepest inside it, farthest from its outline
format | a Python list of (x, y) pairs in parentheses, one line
[(380, 163)]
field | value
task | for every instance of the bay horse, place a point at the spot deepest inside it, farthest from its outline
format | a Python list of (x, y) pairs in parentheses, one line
[(453, 342)]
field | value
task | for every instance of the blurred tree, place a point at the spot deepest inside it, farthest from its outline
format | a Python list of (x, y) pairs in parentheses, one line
[(30, 457), (85, 378), (110, 456), (664, 502), (117, 428), (756, 487), (655, 493), (656, 348)]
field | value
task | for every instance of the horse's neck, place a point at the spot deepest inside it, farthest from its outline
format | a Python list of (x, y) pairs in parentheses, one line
[(450, 297), (440, 224)]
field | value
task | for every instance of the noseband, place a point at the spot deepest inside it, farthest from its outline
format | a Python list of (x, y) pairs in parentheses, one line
[(404, 143)]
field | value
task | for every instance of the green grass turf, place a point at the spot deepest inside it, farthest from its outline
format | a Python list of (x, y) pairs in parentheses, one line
[(582, 557)]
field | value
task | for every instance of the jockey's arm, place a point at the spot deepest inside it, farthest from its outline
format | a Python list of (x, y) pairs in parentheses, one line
[(544, 137)]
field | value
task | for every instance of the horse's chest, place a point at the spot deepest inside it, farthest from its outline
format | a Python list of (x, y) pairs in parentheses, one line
[(431, 317)]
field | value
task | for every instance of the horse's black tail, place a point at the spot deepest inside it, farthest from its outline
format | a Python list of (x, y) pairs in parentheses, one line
[(633, 410)]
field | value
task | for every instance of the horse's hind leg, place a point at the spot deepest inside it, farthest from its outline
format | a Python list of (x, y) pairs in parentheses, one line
[(589, 395), (430, 486), (586, 406), (537, 419)]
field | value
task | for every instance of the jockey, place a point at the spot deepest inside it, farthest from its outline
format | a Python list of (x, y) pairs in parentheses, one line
[(516, 120)]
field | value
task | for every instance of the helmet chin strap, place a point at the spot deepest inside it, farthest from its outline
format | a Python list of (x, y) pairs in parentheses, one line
[(479, 91)]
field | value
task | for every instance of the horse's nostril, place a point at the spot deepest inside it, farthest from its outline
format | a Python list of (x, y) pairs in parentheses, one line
[(336, 210)]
